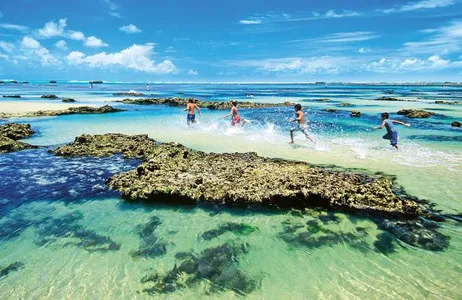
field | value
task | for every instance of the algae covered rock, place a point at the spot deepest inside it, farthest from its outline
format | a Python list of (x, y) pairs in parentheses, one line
[(68, 100), (330, 110), (173, 172), (10, 133), (50, 96), (10, 145), (137, 146), (355, 113), (344, 104), (11, 96), (415, 113), (455, 124), (70, 111)]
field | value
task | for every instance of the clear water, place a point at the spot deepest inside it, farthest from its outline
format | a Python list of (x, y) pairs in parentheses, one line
[(76, 239)]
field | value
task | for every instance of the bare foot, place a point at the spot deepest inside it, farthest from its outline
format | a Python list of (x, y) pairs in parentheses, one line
[(291, 143)]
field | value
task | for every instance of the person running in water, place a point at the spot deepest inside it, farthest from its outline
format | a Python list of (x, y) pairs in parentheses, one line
[(191, 107), (301, 126), (235, 118), (392, 134)]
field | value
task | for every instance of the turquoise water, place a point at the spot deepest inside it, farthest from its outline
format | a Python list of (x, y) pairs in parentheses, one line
[(76, 239)]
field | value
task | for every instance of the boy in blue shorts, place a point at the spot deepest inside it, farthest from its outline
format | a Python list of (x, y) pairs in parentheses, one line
[(191, 107), (392, 134)]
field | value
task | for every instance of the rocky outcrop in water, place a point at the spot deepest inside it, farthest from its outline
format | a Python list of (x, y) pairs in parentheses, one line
[(448, 102), (415, 113), (96, 82), (214, 105), (10, 133), (344, 104), (323, 100), (68, 100), (385, 98), (455, 124), (330, 110), (355, 113), (11, 96), (137, 146), (135, 94), (5, 271), (70, 111), (50, 96)]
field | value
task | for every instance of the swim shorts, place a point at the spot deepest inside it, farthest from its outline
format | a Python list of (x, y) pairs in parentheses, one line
[(235, 120), (301, 128), (393, 137), (191, 118)]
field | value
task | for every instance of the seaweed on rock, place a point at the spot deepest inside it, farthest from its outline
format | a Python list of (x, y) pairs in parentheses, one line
[(215, 268)]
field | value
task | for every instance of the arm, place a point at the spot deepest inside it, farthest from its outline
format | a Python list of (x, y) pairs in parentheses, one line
[(228, 115), (296, 119), (198, 109), (401, 123), (381, 126)]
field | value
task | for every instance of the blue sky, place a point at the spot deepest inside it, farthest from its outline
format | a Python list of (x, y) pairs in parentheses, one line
[(220, 41)]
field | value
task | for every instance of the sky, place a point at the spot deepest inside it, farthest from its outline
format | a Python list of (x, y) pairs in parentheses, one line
[(231, 41)]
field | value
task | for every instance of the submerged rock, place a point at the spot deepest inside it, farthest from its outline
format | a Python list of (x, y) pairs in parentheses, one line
[(455, 124), (355, 113), (67, 100), (137, 146), (415, 113), (4, 271), (323, 100), (70, 111), (216, 268), (50, 96), (10, 133), (330, 110), (237, 228), (213, 105), (11, 96), (385, 98), (151, 246), (173, 172)]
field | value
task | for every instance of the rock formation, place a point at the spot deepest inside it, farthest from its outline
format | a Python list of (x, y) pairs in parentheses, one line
[(50, 96), (67, 100), (215, 105), (70, 111), (11, 96), (10, 133), (455, 124), (415, 113), (355, 113)]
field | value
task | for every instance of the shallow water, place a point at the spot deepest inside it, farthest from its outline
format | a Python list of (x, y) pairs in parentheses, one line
[(76, 239)]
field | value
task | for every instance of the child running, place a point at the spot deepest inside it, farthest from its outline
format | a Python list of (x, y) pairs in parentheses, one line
[(191, 107), (392, 134), (235, 118), (300, 118)]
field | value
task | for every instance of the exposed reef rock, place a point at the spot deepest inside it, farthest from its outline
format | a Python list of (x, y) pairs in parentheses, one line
[(415, 113), (11, 96), (70, 111), (52, 81), (207, 104), (135, 94), (137, 146), (455, 124), (67, 100), (16, 131), (344, 104), (448, 102), (4, 271), (215, 269), (330, 110), (323, 100), (96, 82), (10, 133), (385, 98), (355, 113), (50, 96)]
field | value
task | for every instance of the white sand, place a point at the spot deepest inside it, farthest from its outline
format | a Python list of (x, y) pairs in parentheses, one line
[(18, 107)]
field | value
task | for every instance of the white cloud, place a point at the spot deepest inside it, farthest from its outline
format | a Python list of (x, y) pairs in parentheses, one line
[(443, 40), (193, 73), (419, 5), (32, 50), (137, 57), (130, 29), (13, 27), (364, 50), (61, 44), (95, 42), (332, 14), (7, 47), (341, 37), (434, 62), (52, 29), (111, 8), (76, 35), (250, 22)]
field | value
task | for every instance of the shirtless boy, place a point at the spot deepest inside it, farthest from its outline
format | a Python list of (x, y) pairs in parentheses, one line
[(301, 126), (191, 107)]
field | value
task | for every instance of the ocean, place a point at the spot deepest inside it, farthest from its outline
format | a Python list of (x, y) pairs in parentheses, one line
[(72, 237)]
